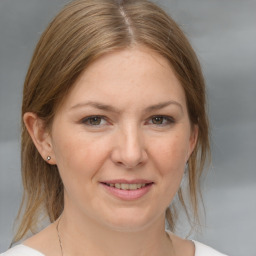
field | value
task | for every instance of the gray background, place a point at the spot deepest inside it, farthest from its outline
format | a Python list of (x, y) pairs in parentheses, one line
[(223, 33)]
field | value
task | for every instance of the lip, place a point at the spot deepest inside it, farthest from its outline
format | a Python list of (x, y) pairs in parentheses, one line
[(135, 181), (127, 195)]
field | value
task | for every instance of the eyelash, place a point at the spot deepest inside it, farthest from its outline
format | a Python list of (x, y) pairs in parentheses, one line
[(90, 118), (168, 120)]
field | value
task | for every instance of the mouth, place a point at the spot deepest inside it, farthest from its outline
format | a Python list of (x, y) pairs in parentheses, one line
[(127, 190), (127, 186)]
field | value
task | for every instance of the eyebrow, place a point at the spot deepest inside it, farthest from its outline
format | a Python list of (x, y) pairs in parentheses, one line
[(110, 108), (163, 105), (96, 105)]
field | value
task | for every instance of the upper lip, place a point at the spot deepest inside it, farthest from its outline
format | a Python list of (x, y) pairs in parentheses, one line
[(124, 181)]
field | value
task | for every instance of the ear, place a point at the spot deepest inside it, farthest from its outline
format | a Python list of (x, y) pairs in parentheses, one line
[(192, 140), (40, 136)]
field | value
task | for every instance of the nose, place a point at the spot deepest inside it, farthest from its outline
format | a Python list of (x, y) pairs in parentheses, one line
[(129, 150)]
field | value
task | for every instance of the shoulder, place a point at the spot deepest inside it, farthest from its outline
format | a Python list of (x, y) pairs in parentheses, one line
[(204, 250), (188, 247), (21, 250)]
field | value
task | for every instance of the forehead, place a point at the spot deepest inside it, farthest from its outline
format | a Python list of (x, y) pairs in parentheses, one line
[(133, 76)]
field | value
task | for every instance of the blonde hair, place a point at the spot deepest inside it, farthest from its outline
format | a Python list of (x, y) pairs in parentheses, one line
[(82, 32)]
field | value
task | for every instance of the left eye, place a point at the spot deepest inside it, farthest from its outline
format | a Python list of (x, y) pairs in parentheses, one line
[(161, 120), (94, 120)]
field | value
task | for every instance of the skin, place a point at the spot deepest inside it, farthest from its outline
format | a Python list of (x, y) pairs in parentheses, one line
[(130, 140)]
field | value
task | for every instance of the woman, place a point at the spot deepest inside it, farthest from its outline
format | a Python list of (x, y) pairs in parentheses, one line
[(113, 112)]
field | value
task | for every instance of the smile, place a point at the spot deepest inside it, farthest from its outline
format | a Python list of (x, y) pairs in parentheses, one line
[(125, 186), (126, 190)]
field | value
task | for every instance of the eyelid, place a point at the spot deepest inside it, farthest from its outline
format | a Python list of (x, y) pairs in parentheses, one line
[(87, 118), (169, 119)]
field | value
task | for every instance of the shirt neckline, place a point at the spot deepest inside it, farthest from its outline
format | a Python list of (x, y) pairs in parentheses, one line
[(31, 249), (41, 254)]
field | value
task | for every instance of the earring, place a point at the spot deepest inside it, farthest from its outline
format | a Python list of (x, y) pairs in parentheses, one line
[(48, 158)]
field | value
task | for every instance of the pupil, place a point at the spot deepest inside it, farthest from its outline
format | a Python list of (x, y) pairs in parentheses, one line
[(158, 120), (95, 120)]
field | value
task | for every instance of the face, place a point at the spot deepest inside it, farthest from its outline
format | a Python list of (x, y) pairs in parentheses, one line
[(121, 140)]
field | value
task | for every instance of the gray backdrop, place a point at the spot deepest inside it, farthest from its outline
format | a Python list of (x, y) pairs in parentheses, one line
[(223, 33)]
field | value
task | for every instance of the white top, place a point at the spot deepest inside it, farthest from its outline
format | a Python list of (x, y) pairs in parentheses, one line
[(204, 250), (23, 250)]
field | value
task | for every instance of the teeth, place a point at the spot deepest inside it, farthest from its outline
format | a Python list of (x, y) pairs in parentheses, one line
[(117, 185), (125, 186), (133, 186)]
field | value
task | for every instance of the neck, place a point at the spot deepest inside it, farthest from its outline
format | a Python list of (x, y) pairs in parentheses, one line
[(81, 236)]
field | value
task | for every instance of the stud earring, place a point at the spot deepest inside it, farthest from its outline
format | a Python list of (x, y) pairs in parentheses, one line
[(48, 158)]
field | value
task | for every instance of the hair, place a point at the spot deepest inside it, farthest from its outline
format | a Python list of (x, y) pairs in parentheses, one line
[(82, 32)]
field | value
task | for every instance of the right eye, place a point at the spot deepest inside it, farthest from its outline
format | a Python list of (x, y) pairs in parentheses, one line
[(94, 121)]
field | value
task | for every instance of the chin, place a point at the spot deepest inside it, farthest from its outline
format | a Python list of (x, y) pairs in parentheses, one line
[(130, 221)]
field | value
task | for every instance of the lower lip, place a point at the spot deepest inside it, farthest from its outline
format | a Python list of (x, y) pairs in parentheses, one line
[(128, 194)]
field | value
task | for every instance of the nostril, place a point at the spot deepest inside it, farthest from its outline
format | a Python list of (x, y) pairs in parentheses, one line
[(126, 165), (128, 156)]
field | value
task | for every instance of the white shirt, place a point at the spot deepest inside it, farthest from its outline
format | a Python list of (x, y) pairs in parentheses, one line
[(204, 250), (23, 250)]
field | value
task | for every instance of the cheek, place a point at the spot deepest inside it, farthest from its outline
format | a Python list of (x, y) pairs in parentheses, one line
[(78, 159), (170, 153), (168, 158), (78, 155)]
